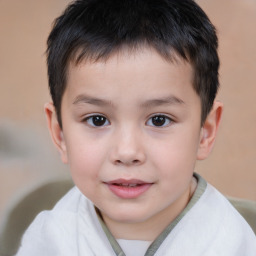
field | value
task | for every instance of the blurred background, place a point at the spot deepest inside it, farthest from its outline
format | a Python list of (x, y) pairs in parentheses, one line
[(27, 156)]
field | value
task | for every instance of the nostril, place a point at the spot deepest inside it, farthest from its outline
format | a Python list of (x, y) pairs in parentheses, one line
[(133, 162)]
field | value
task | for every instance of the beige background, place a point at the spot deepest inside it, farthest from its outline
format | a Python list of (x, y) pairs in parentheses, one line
[(27, 157)]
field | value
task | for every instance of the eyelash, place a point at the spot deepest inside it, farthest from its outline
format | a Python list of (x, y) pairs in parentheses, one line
[(103, 121)]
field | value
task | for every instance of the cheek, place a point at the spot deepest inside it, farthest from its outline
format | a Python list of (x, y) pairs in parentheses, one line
[(85, 159), (176, 155)]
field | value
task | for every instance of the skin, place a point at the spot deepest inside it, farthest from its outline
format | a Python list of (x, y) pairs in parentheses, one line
[(127, 91)]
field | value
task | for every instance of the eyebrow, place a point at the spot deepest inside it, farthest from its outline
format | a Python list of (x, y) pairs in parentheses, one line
[(91, 100), (170, 100)]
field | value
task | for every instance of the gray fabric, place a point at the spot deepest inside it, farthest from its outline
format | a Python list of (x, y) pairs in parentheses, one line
[(247, 209), (20, 217)]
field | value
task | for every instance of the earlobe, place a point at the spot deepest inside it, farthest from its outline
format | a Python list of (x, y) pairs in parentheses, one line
[(56, 131), (209, 131)]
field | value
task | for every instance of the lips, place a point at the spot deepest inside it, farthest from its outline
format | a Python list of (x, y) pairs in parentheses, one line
[(128, 189)]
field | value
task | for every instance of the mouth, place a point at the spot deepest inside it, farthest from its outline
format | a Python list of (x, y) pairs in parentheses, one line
[(128, 189)]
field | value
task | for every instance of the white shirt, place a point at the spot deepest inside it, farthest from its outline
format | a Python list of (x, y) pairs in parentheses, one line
[(212, 227)]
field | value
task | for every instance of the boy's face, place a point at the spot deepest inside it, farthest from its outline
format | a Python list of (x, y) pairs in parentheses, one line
[(131, 135)]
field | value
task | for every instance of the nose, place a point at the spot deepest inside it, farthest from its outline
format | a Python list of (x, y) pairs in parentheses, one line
[(128, 148)]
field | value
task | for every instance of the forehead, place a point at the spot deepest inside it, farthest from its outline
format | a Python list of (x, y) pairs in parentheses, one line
[(142, 69), (141, 59)]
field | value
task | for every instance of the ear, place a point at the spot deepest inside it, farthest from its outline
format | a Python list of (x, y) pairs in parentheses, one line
[(209, 131), (56, 131)]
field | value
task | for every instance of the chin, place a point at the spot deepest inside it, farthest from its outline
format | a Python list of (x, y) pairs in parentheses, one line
[(127, 216)]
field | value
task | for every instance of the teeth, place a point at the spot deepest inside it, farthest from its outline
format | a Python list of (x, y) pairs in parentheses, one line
[(128, 185)]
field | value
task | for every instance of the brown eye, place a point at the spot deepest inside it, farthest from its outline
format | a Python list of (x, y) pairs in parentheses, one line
[(97, 121), (159, 121)]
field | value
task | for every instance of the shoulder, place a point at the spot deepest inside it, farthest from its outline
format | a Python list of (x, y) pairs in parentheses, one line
[(53, 232), (211, 227), (70, 201), (223, 209), (223, 224), (218, 207)]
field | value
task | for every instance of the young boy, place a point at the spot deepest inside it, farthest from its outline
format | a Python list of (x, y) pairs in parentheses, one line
[(133, 84)]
